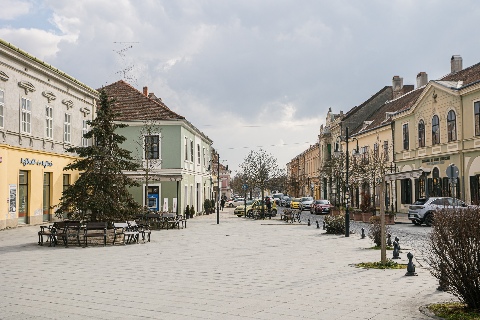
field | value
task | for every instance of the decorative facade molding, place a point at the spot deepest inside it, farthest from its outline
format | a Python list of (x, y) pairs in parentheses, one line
[(68, 103), (49, 95), (4, 76), (85, 111), (27, 86)]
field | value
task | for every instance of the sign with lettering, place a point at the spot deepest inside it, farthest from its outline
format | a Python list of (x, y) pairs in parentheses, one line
[(33, 162)]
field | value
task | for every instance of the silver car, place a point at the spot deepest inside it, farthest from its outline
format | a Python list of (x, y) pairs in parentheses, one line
[(422, 210), (306, 203)]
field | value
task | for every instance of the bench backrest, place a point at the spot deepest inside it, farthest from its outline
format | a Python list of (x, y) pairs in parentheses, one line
[(118, 225), (95, 225)]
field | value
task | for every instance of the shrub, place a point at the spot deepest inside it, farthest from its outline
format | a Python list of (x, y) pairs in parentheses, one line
[(455, 253), (375, 230), (335, 224), (206, 206)]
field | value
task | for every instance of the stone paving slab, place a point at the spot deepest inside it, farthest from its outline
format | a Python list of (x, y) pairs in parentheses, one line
[(238, 269)]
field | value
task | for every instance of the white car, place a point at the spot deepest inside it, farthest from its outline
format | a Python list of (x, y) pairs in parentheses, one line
[(422, 211), (306, 203), (235, 202)]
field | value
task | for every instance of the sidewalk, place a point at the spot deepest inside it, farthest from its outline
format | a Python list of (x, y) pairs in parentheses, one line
[(238, 269)]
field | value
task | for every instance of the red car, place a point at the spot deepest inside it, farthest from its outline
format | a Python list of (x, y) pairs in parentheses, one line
[(320, 207)]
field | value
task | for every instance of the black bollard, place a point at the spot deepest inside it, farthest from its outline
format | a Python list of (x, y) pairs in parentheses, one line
[(396, 248), (324, 225), (308, 222), (389, 239), (318, 226), (363, 233), (410, 266)]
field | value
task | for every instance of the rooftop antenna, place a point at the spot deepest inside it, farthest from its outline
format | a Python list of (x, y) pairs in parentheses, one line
[(128, 67)]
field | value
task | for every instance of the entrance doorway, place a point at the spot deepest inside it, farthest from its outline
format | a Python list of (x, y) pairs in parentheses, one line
[(46, 196), (153, 198), (23, 197)]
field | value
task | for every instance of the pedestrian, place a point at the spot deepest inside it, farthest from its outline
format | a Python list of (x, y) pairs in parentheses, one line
[(222, 203), (268, 202)]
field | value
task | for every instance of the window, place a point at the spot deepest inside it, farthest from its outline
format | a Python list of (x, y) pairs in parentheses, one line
[(204, 159), (385, 150), (199, 158), (26, 115), (186, 148), (84, 132), (451, 126), (406, 190), (49, 122), (375, 150), (66, 181), (152, 147), (435, 130), (192, 151), (476, 106), (2, 104), (66, 128), (421, 134), (406, 145)]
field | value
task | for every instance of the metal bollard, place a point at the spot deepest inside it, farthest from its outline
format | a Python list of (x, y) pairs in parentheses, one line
[(318, 225), (396, 248), (410, 266), (324, 225), (363, 233), (308, 222), (389, 239)]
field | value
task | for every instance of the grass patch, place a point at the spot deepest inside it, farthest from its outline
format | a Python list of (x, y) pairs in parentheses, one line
[(453, 311), (390, 264)]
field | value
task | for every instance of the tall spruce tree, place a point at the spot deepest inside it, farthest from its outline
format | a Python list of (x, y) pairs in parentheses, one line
[(101, 192)]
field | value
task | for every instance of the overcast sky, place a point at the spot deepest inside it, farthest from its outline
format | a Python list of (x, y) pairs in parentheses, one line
[(248, 73)]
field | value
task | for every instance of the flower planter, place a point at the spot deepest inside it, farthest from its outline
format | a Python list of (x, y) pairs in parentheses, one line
[(357, 216), (389, 219), (366, 216)]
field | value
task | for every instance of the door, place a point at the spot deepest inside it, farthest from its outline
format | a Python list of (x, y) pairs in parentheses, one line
[(23, 197), (46, 196)]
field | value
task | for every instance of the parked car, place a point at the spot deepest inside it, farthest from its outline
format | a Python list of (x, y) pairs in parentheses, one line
[(235, 202), (284, 201), (306, 203), (240, 209), (278, 197), (295, 203), (422, 211), (321, 207)]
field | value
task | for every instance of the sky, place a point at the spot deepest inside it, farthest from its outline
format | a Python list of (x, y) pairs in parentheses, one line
[(249, 74)]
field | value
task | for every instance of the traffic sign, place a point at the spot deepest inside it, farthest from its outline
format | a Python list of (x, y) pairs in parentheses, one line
[(452, 171)]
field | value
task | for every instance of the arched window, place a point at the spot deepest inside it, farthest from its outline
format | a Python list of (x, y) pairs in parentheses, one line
[(421, 134), (476, 107), (451, 126), (435, 130)]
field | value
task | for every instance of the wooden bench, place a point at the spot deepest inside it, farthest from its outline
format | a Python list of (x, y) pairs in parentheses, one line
[(95, 230), (46, 231), (125, 230), (65, 229)]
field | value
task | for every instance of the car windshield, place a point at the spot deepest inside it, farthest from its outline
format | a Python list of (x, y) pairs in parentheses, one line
[(249, 202), (420, 201), (307, 199), (322, 202)]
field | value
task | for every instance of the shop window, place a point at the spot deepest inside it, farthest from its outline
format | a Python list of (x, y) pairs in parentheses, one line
[(46, 196), (66, 181), (23, 197), (406, 190)]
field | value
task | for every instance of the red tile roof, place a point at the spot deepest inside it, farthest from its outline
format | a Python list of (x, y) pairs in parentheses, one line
[(467, 75), (132, 104)]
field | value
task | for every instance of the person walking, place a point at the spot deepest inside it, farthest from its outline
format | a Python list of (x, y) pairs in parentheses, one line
[(268, 202), (222, 203)]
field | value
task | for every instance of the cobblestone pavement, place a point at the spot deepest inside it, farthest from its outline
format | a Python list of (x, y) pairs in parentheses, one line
[(238, 269)]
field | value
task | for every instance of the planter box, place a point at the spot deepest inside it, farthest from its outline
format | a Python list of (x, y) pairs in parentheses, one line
[(357, 216), (389, 219), (366, 216)]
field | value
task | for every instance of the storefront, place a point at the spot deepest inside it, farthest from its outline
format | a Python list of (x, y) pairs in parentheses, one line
[(32, 183)]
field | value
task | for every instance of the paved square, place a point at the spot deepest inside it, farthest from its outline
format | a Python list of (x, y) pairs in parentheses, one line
[(239, 269)]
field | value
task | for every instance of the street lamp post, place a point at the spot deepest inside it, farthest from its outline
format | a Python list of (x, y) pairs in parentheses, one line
[(347, 195), (218, 191)]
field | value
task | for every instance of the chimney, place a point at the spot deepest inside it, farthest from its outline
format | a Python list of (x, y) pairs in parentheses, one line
[(422, 79), (145, 91), (456, 63), (397, 85)]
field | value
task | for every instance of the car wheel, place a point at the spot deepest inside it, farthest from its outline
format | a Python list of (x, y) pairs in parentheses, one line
[(429, 219), (416, 223)]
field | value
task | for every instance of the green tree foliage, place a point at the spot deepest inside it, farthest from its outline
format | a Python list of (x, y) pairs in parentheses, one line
[(101, 192)]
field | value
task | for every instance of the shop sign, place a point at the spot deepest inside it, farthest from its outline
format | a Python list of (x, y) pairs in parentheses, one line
[(33, 162), (437, 160)]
